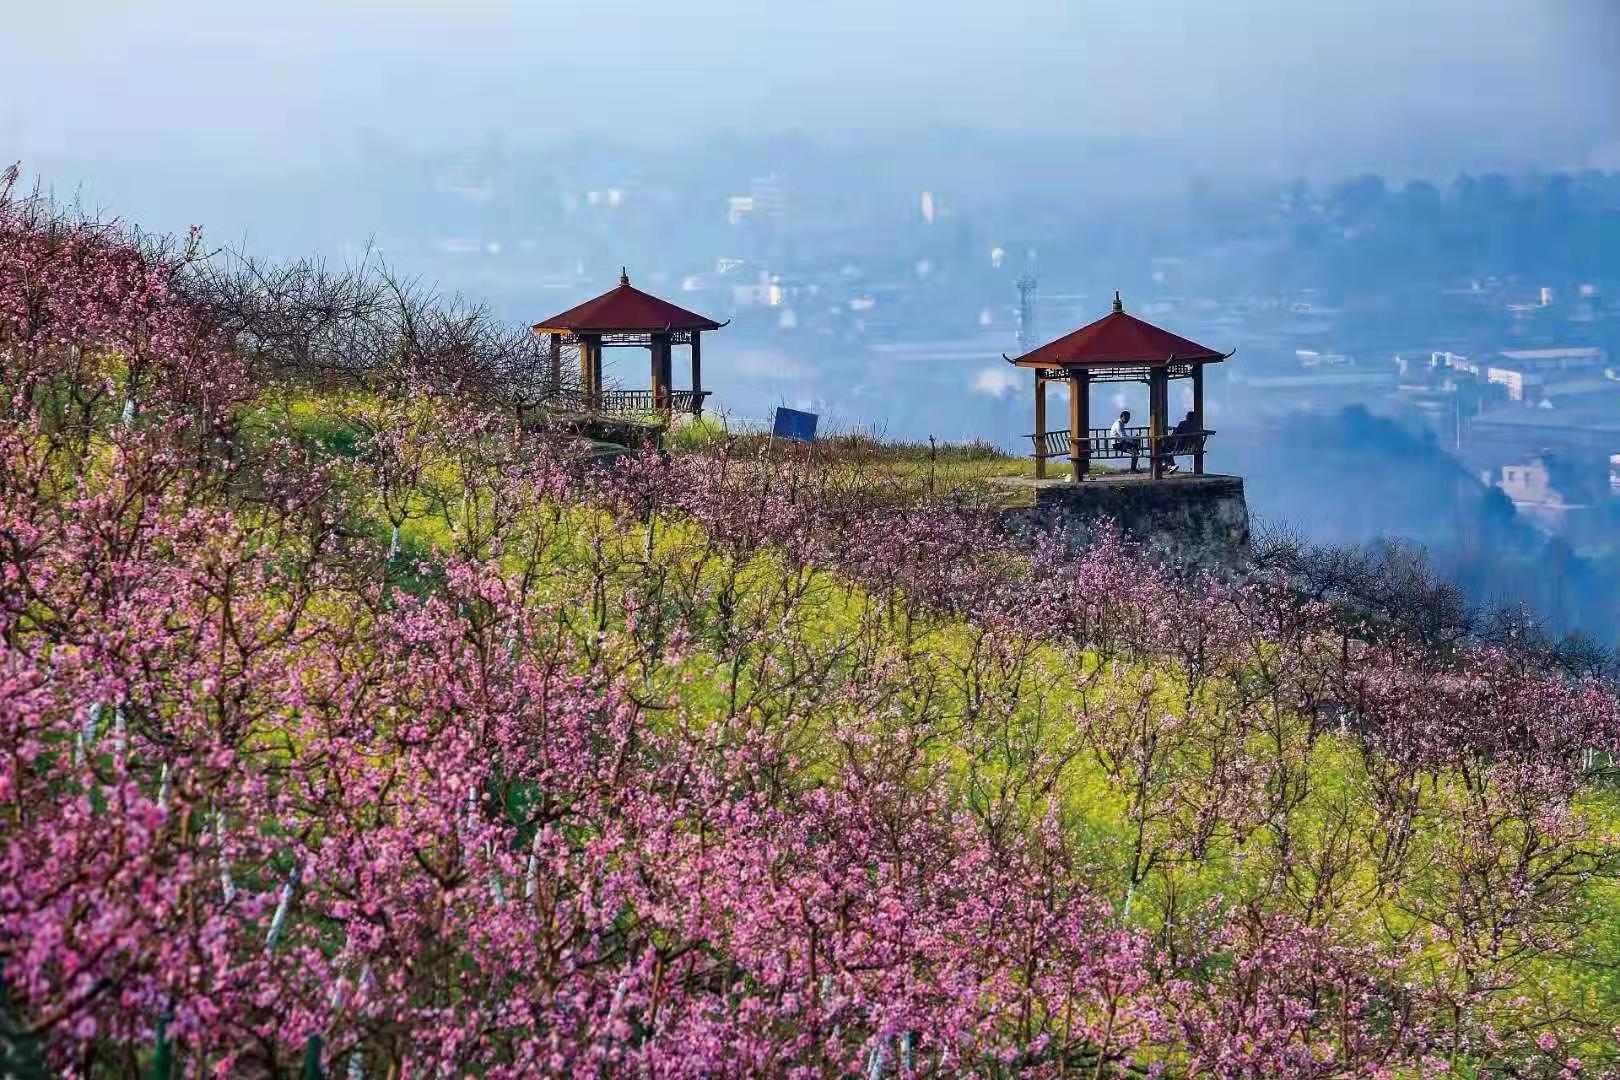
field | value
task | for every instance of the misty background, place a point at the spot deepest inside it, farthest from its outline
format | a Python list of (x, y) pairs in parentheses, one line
[(1404, 216)]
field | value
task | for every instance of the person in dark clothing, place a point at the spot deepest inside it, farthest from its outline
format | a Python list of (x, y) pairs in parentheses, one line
[(1178, 442)]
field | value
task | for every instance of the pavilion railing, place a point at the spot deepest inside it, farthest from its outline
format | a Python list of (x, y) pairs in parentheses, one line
[(645, 402), (1132, 443)]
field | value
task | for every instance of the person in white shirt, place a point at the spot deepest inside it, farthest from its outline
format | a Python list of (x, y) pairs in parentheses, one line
[(1122, 442)]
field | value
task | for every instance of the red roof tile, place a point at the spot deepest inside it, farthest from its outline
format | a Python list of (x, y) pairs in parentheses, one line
[(625, 309), (1117, 339)]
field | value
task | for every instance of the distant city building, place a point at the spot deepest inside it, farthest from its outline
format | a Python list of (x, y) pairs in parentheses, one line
[(1587, 430), (1530, 488), (1515, 380), (1566, 358), (1558, 393), (765, 201), (1455, 361), (766, 290), (1523, 371), (609, 197), (770, 197), (1414, 365), (1310, 358)]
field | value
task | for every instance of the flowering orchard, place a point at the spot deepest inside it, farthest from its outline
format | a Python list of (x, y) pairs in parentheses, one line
[(355, 731)]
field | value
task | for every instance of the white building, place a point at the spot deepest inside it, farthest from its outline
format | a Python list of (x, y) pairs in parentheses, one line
[(1530, 488), (1522, 371)]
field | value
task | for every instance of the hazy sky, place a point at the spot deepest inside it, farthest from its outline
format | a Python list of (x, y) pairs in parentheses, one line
[(1282, 85)]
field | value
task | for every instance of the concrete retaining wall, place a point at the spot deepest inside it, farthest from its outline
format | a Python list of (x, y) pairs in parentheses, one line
[(1201, 520)]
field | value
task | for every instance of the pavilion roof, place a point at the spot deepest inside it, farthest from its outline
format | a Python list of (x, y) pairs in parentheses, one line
[(1118, 339), (625, 309)]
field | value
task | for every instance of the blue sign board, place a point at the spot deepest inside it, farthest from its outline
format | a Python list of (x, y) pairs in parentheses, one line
[(795, 425)]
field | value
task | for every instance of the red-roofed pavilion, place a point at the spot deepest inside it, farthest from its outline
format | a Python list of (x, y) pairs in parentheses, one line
[(626, 316), (1119, 348)]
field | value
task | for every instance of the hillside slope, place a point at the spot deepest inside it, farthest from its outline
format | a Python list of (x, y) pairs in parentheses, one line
[(347, 722)]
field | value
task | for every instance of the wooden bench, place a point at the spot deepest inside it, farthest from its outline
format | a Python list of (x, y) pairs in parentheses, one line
[(1187, 444), (1050, 444), (1099, 445)]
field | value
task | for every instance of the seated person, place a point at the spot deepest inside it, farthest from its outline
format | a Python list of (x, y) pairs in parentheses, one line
[(1189, 426), (1178, 441), (1121, 442)]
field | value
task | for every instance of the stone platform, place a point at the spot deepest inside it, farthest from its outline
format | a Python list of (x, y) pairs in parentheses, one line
[(1201, 520)]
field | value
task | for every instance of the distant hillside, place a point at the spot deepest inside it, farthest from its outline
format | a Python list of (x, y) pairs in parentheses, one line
[(1354, 478)]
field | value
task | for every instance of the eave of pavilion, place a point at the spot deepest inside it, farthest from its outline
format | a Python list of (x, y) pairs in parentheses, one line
[(1116, 370), (1118, 348), (641, 338)]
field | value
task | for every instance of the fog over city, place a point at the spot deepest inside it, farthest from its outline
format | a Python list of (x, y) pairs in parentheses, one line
[(1405, 217)]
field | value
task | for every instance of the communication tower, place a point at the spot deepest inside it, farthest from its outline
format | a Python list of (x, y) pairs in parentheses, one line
[(1026, 307)]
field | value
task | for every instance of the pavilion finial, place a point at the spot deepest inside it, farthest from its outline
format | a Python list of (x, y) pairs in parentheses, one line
[(1118, 306), (624, 276)]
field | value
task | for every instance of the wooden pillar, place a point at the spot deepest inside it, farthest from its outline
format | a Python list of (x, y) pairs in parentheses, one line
[(697, 373), (584, 368), (666, 369), (656, 377), (590, 369), (1198, 416), (1082, 390), (1158, 401), (596, 368), (1040, 424), (554, 363), (1077, 425), (659, 348)]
